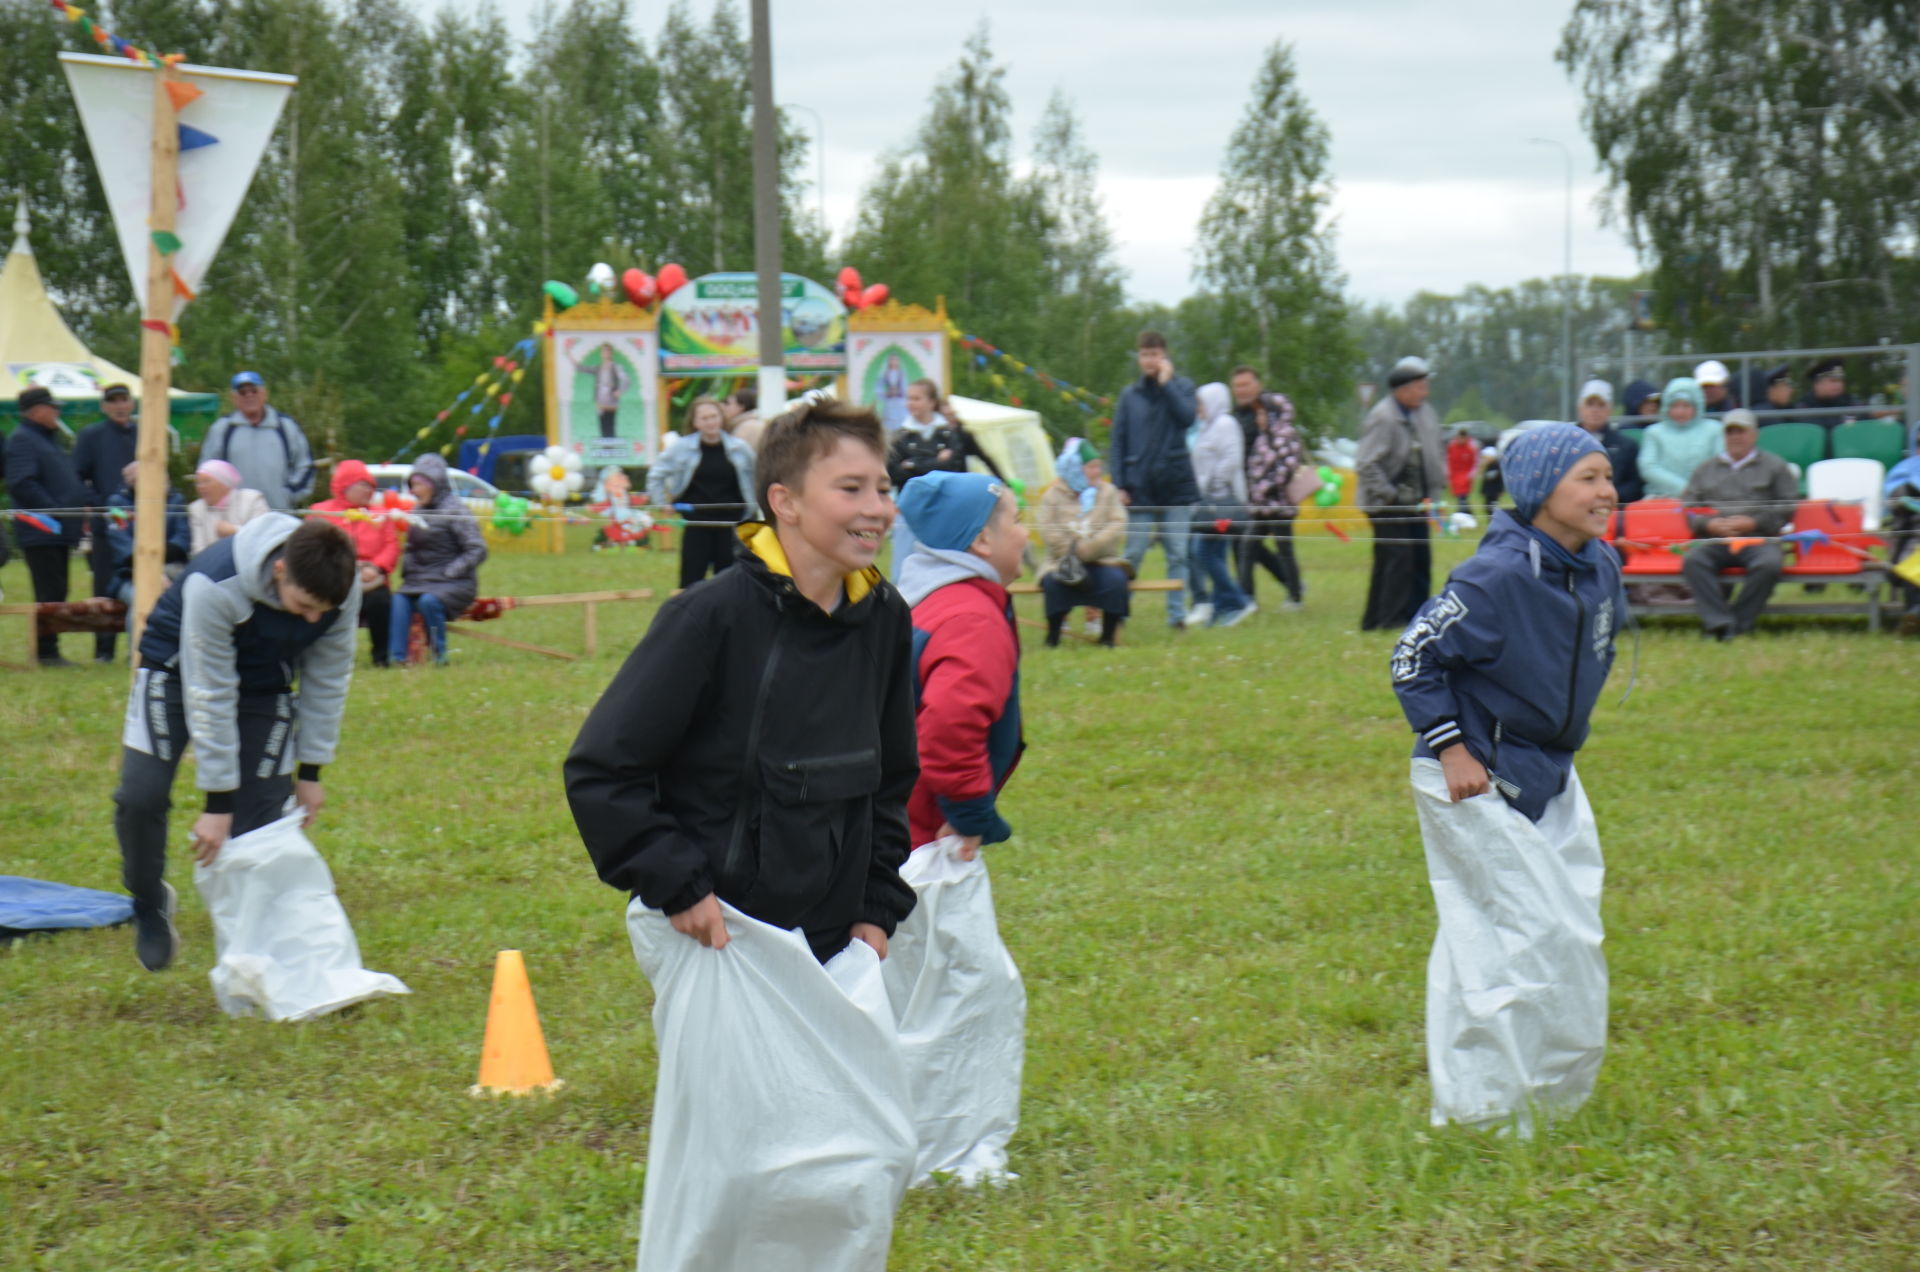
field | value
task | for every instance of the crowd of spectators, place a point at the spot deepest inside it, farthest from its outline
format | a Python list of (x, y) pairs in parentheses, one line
[(254, 459)]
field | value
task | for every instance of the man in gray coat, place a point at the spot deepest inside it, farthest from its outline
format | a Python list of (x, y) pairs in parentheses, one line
[(1741, 493), (267, 446), (1400, 465)]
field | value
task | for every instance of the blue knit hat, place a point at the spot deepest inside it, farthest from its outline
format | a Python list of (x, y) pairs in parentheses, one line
[(949, 510), (1537, 459)]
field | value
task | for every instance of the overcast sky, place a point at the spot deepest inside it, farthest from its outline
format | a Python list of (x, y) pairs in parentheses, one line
[(1430, 106)]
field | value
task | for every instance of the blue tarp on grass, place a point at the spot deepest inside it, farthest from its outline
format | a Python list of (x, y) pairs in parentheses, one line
[(34, 905)]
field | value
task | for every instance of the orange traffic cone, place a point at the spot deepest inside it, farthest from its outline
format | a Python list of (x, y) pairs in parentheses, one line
[(513, 1058)]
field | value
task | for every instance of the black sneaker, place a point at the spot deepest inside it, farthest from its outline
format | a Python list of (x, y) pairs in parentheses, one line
[(154, 936), (55, 661)]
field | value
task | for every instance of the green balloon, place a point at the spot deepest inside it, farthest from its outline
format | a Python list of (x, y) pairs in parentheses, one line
[(510, 514), (564, 297)]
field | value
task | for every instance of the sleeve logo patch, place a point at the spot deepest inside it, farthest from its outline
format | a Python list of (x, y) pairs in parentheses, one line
[(1443, 612)]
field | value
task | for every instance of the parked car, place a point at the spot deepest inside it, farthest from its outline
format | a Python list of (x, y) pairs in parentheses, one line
[(479, 495)]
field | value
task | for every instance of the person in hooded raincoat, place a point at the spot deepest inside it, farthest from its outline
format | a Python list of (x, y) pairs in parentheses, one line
[(1682, 439), (439, 570), (1498, 676)]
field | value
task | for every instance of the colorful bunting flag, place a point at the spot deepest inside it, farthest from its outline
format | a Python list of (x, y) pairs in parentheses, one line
[(192, 138)]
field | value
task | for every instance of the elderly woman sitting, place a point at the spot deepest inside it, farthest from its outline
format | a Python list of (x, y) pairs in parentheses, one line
[(223, 507), (1083, 526)]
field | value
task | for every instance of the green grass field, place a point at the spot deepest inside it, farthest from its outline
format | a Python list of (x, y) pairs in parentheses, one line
[(1217, 897)]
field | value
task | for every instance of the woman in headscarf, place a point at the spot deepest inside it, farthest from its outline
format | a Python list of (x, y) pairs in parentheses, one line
[(1083, 526), (223, 507)]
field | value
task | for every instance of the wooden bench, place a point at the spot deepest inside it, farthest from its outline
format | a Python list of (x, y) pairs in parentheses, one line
[(1868, 602), (1136, 585)]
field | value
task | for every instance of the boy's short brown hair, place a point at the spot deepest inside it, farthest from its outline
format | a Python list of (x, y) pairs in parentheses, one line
[(1151, 339), (320, 561), (809, 430)]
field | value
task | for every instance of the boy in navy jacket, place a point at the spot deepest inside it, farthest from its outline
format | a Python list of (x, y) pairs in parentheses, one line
[(1498, 676)]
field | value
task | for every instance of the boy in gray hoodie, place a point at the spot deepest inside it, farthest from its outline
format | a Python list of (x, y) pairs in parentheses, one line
[(277, 602)]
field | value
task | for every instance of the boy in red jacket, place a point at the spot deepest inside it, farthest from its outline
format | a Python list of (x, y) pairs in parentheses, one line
[(376, 544), (966, 652)]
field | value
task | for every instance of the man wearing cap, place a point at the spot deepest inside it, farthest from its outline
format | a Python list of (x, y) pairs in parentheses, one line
[(40, 475), (1830, 390), (100, 453), (1713, 379), (267, 446), (1779, 399), (1596, 416), (1400, 464), (1736, 502)]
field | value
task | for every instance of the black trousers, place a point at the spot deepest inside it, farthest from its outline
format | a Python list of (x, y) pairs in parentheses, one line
[(703, 550), (1701, 568), (48, 566), (157, 721), (609, 424), (1402, 569), (100, 558), (1250, 550), (376, 612)]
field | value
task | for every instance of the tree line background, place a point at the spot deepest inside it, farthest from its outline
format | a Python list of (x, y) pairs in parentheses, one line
[(430, 174)]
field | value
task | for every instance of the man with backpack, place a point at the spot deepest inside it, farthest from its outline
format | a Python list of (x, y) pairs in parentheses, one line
[(267, 446)]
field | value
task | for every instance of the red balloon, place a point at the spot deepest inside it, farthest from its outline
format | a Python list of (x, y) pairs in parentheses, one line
[(850, 297), (672, 278), (849, 279), (639, 287), (874, 295)]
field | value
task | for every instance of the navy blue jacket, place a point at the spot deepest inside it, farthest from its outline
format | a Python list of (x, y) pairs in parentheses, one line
[(1511, 657), (266, 648), (1150, 460), (120, 532), (100, 454), (1623, 453), (40, 475)]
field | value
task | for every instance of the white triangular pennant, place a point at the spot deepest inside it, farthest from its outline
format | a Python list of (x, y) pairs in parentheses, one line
[(240, 108)]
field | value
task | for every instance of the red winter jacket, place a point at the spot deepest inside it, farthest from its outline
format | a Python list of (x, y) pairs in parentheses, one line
[(375, 539), (967, 664)]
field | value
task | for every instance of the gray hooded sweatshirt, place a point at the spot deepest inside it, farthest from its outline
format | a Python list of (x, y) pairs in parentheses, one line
[(211, 611)]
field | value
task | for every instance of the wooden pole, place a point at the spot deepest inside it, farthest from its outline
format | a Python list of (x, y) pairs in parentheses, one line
[(156, 372)]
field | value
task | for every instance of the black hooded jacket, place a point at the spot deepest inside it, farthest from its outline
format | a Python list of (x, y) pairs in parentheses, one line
[(814, 833)]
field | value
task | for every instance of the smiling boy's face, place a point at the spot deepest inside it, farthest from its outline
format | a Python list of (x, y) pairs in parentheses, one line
[(1583, 502), (841, 510)]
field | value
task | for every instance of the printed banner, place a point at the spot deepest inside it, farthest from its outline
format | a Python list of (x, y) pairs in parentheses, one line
[(225, 130), (881, 364), (603, 388), (711, 327)]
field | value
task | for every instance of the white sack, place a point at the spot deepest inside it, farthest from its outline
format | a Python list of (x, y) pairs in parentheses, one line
[(1516, 984), (782, 1140), (962, 1012), (283, 946)]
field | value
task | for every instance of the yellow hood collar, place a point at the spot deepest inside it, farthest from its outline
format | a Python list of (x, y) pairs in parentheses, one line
[(764, 542)]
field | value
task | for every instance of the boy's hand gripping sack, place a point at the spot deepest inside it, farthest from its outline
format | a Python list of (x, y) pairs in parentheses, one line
[(781, 1129), (284, 947), (962, 1011)]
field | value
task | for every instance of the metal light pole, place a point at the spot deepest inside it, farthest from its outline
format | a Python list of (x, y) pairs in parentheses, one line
[(1566, 287), (820, 151), (772, 380)]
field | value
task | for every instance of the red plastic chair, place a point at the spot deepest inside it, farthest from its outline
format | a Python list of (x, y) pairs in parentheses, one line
[(1848, 548), (1647, 531)]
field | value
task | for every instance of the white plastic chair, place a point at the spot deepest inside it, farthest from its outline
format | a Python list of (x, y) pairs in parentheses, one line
[(1860, 481)]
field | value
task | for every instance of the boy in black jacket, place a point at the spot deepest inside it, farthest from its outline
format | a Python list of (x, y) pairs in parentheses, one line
[(758, 745)]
